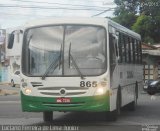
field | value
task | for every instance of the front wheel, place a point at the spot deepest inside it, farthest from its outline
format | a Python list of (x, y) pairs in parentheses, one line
[(47, 116), (111, 116)]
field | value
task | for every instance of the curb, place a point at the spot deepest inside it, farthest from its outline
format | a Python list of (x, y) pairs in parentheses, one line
[(4, 92), (4, 83)]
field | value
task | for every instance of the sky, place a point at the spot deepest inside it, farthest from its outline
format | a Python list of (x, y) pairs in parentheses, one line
[(15, 13)]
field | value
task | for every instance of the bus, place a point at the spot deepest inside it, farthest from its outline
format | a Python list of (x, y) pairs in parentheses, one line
[(79, 64)]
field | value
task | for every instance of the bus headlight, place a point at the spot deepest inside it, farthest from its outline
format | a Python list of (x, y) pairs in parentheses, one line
[(101, 88), (99, 91), (28, 91)]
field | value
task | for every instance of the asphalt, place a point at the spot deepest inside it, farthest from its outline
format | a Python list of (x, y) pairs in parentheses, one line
[(147, 113)]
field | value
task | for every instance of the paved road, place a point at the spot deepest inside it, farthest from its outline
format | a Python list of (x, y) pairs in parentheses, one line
[(147, 113)]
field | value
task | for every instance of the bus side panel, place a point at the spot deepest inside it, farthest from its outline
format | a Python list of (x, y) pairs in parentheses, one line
[(127, 82), (114, 83)]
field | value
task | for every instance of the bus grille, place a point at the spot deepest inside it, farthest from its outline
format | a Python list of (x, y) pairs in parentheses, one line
[(36, 84), (72, 104), (56, 91)]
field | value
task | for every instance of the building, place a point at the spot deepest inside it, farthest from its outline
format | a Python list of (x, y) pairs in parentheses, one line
[(4, 62), (151, 61)]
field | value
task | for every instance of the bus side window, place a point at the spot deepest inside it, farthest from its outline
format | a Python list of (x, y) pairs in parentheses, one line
[(139, 52), (140, 47), (120, 42), (136, 51), (133, 48), (129, 50), (112, 49), (123, 49)]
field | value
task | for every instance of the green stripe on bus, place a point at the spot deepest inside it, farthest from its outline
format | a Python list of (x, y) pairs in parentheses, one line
[(89, 103)]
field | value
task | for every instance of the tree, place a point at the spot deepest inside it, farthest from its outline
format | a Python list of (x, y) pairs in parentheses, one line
[(126, 19), (148, 27), (126, 12), (143, 16), (148, 22)]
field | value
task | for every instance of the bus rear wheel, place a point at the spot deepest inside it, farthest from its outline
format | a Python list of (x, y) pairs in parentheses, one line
[(47, 116), (132, 106)]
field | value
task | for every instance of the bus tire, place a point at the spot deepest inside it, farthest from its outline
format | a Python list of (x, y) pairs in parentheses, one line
[(132, 106), (136, 89), (113, 115), (47, 116), (118, 103)]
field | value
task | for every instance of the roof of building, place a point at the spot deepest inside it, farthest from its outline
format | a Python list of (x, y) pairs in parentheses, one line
[(148, 47), (157, 45)]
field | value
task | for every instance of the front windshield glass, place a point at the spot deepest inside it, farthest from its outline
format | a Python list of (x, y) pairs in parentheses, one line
[(49, 49)]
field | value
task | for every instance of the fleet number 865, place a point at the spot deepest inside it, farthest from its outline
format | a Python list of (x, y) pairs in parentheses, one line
[(88, 83)]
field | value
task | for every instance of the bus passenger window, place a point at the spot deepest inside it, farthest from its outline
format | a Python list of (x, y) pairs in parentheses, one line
[(139, 53), (120, 42), (133, 48), (129, 50), (136, 51), (123, 49), (112, 49)]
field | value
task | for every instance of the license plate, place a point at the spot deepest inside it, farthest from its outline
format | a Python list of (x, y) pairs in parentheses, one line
[(63, 100)]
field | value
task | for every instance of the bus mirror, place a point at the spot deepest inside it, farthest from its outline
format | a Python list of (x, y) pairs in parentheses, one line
[(10, 41)]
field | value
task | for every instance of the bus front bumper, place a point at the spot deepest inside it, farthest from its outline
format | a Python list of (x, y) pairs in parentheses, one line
[(89, 103)]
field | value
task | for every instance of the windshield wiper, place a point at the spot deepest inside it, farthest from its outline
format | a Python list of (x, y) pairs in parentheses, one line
[(53, 64), (74, 62)]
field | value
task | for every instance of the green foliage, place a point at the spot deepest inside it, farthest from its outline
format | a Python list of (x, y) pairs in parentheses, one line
[(141, 16), (126, 12), (129, 6), (127, 19), (148, 27)]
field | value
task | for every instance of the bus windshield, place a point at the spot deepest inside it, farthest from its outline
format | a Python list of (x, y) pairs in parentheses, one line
[(43, 45)]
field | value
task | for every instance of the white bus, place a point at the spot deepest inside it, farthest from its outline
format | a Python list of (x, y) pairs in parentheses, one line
[(79, 64)]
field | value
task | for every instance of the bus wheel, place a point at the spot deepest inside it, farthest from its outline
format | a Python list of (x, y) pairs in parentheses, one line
[(118, 104), (47, 116), (132, 106), (111, 116)]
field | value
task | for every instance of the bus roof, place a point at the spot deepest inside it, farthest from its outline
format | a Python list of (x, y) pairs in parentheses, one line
[(81, 20), (123, 29), (67, 20)]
